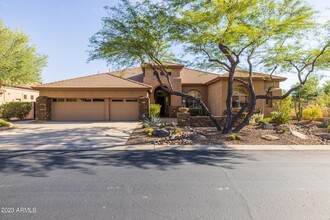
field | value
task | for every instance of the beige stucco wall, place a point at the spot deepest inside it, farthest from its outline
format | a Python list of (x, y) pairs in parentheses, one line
[(217, 94), (151, 80), (200, 88), (215, 98), (18, 95)]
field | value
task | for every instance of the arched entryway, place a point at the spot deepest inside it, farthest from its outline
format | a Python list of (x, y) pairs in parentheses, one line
[(162, 98)]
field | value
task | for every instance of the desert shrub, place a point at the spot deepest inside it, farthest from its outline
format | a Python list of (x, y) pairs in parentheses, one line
[(164, 125), (178, 131), (312, 113), (326, 122), (155, 110), (149, 131), (4, 124), (283, 113), (145, 125), (15, 110), (268, 120), (328, 129), (255, 119), (154, 121), (285, 129), (233, 137)]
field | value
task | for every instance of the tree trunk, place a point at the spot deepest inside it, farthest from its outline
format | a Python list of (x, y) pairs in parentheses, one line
[(248, 116), (299, 116), (229, 108)]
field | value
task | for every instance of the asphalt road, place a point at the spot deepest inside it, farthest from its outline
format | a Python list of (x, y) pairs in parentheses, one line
[(165, 185)]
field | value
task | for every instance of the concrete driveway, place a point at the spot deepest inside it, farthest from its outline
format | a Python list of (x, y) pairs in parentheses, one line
[(66, 135)]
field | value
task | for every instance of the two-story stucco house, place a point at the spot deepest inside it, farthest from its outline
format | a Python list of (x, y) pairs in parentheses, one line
[(19, 94), (127, 94)]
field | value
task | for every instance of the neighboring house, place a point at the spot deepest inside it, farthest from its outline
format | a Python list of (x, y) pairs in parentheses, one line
[(126, 94), (19, 94)]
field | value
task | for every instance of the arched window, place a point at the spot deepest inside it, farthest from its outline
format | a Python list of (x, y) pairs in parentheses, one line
[(240, 97), (192, 104)]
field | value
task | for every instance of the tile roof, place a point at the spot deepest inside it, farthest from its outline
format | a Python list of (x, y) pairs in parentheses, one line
[(101, 80), (188, 76), (191, 76), (133, 78), (244, 74)]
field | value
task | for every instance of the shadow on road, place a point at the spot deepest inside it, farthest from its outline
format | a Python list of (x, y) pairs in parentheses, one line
[(39, 163)]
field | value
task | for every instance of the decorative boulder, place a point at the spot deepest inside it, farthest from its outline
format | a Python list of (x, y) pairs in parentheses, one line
[(269, 137), (296, 133), (161, 132), (267, 126), (325, 136), (197, 137)]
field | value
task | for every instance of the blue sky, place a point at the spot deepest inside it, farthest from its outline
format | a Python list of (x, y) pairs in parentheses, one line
[(62, 28)]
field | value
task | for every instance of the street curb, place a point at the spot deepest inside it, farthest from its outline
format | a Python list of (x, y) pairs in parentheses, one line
[(182, 148)]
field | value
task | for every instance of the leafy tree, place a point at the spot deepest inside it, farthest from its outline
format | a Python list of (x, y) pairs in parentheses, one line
[(220, 34), (19, 61), (326, 87), (233, 33), (304, 94), (140, 33)]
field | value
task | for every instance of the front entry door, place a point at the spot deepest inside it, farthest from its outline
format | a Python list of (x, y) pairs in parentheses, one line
[(162, 98)]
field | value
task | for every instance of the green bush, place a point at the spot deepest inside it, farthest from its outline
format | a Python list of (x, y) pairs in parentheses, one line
[(283, 113), (4, 124), (154, 121), (312, 113), (15, 110), (149, 131), (233, 137), (178, 131), (155, 110), (255, 119), (268, 120)]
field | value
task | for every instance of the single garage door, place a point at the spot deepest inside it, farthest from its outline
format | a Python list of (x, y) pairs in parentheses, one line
[(124, 110), (78, 109)]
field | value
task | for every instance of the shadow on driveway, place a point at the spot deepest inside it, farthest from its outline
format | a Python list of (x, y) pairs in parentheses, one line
[(39, 163), (70, 138)]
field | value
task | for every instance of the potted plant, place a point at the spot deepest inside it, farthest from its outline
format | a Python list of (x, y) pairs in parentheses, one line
[(183, 109)]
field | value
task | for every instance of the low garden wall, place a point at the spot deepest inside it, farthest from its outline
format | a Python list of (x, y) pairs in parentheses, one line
[(184, 119)]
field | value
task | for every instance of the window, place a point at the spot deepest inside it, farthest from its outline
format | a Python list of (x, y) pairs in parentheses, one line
[(269, 102), (117, 100), (32, 97), (131, 100), (240, 97), (192, 104), (85, 100), (71, 100), (25, 96), (58, 100), (98, 100)]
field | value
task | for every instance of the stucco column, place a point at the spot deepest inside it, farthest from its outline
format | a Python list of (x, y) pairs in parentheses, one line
[(43, 108), (107, 109), (183, 119), (144, 107)]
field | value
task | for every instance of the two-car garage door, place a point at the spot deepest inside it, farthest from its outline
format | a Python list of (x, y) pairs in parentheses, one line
[(78, 109), (94, 109)]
